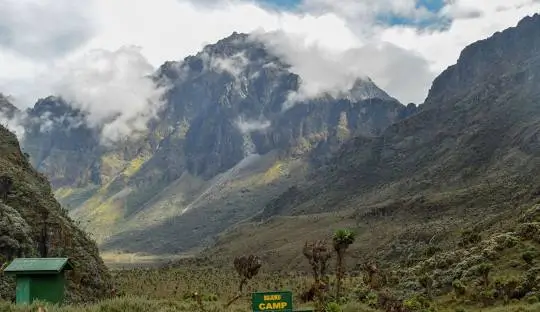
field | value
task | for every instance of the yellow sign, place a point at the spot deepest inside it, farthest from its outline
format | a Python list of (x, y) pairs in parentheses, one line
[(275, 301), (272, 306)]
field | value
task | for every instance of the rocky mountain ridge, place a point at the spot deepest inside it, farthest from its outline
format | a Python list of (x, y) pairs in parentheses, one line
[(223, 124), (468, 159)]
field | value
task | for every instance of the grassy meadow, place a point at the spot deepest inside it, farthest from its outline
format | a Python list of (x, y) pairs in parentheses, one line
[(173, 289), (492, 269)]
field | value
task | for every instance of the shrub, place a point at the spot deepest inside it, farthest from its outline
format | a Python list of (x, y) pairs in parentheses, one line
[(332, 307), (432, 250), (487, 297), (417, 303), (529, 230), (469, 237), (507, 240), (532, 298), (459, 288)]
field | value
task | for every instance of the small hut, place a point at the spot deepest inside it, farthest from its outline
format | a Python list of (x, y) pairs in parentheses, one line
[(39, 278)]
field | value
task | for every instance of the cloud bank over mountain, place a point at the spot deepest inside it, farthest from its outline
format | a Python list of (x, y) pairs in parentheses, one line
[(114, 89), (84, 50)]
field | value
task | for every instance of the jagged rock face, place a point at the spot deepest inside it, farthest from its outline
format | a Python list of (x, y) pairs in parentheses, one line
[(26, 211), (60, 144), (468, 160), (232, 81), (501, 54), (237, 79), (223, 104), (480, 122)]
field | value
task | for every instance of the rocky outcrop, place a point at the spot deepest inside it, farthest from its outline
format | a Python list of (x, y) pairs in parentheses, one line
[(32, 223)]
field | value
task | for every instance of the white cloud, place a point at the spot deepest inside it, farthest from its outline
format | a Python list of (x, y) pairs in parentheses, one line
[(332, 42), (13, 124), (251, 125), (113, 88), (44, 28), (48, 121), (334, 72), (235, 65), (442, 47)]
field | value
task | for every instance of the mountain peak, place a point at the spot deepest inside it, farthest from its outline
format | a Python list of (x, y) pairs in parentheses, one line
[(234, 44), (54, 105), (529, 20), (238, 47), (502, 53), (364, 89)]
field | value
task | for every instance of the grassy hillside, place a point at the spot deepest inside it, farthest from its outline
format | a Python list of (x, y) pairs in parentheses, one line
[(142, 305), (458, 281)]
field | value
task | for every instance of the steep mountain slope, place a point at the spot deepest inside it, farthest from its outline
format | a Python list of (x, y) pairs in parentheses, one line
[(469, 159), (487, 132), (60, 145), (222, 146), (32, 223)]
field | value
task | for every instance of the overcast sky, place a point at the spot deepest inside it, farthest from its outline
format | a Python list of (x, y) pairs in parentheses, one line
[(401, 44)]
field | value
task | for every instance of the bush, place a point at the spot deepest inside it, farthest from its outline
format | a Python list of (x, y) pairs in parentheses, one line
[(417, 303), (469, 237), (459, 288), (532, 298), (487, 297), (507, 240), (528, 256), (432, 250), (529, 230), (332, 307)]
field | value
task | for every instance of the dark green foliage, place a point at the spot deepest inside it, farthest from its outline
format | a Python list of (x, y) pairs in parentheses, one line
[(483, 271), (318, 255), (532, 298), (426, 282), (470, 237), (332, 307), (432, 250), (6, 182), (417, 303), (529, 231), (247, 267), (486, 297), (529, 256), (341, 241), (459, 288), (507, 289)]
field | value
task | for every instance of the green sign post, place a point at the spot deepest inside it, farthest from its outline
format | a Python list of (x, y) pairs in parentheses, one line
[(278, 301)]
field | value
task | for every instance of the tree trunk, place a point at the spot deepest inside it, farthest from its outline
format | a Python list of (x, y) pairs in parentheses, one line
[(240, 290), (43, 248), (429, 292), (339, 274)]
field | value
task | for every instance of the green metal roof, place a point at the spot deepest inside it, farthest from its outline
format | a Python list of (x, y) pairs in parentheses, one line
[(38, 266)]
